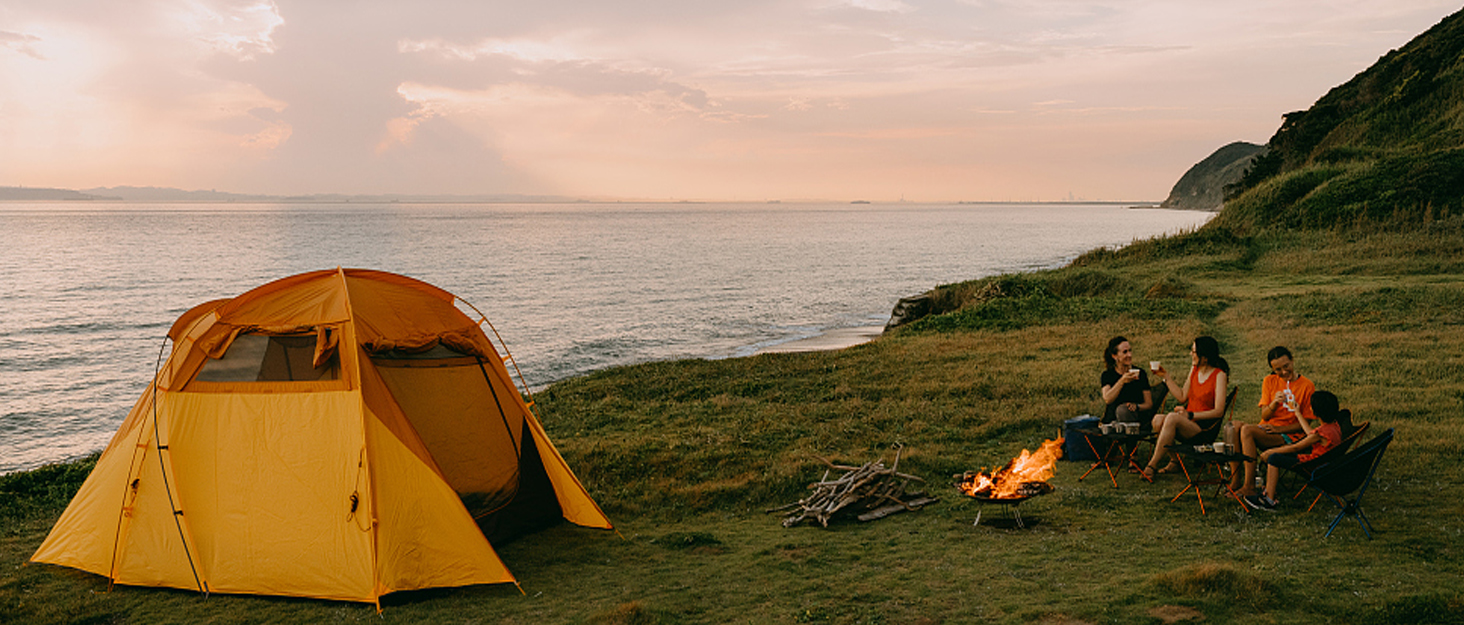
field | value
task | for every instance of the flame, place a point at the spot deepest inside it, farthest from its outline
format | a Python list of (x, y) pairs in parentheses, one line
[(1008, 481)]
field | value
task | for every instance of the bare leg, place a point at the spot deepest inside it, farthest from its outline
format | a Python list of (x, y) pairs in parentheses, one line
[(1273, 478), (1252, 440), (1239, 484), (1175, 424), (1166, 436)]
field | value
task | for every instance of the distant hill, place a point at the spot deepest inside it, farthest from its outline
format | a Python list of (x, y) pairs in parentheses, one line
[(36, 194), (163, 194), (1203, 186), (1384, 149)]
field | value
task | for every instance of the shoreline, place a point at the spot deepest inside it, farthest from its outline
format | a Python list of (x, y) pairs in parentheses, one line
[(831, 340)]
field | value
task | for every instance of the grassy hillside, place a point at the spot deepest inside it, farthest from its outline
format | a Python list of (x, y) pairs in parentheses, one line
[(1384, 149)]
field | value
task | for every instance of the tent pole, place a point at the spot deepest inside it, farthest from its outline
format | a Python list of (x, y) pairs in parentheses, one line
[(177, 522), (132, 465), (517, 445), (350, 353)]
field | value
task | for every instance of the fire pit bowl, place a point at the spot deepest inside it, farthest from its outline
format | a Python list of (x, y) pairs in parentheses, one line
[(1025, 491), (1021, 479)]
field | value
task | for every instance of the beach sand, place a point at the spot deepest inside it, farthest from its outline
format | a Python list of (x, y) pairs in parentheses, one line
[(831, 340)]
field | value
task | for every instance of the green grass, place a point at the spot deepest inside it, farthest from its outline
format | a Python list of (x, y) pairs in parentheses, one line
[(686, 455)]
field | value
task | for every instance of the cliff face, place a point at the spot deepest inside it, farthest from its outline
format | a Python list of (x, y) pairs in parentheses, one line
[(1385, 149), (1203, 186)]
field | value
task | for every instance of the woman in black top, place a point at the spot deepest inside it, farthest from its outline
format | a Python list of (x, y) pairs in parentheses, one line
[(1125, 387)]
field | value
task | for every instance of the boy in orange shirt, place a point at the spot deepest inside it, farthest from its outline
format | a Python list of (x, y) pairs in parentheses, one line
[(1286, 415), (1317, 442)]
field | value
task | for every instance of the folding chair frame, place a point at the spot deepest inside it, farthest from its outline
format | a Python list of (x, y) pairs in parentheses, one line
[(1352, 506)]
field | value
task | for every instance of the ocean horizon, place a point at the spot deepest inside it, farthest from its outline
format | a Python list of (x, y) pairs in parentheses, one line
[(92, 287)]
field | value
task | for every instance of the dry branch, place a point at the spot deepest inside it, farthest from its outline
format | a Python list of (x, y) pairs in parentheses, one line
[(871, 492)]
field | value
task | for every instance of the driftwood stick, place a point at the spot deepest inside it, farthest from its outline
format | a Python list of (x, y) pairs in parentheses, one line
[(881, 513), (871, 488), (835, 466), (782, 508)]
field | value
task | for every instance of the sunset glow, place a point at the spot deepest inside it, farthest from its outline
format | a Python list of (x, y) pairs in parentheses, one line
[(819, 99)]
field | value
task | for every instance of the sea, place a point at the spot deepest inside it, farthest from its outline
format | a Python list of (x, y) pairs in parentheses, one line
[(88, 290)]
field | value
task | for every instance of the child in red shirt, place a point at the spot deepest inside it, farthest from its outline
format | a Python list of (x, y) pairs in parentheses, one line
[(1316, 443)]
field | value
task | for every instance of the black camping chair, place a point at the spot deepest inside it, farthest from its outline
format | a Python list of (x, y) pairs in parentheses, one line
[(1350, 477), (1305, 469), (1188, 454)]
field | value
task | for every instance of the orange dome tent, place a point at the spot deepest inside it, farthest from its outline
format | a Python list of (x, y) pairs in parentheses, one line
[(336, 434)]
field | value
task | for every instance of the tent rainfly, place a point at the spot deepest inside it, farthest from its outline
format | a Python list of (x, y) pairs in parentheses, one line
[(335, 434)]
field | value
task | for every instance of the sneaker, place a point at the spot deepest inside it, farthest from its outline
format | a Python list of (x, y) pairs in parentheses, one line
[(1260, 502)]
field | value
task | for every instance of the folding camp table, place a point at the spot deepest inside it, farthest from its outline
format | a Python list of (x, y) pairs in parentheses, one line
[(1204, 460), (1110, 442)]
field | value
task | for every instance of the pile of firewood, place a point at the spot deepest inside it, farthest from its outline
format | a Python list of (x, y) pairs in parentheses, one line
[(871, 491)]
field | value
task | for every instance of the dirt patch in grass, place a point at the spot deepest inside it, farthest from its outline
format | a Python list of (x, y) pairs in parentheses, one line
[(632, 613), (1217, 580), (1175, 614)]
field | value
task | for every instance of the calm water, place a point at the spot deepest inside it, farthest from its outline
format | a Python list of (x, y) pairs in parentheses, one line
[(88, 291)]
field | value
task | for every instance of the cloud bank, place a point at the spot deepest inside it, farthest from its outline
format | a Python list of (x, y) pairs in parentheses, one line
[(834, 99)]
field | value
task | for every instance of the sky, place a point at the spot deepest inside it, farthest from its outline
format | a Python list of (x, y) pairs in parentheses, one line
[(725, 100)]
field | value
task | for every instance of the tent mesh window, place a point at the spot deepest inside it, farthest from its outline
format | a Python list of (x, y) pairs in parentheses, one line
[(265, 358)]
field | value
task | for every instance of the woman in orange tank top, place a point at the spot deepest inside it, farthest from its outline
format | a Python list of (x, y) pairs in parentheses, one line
[(1201, 400)]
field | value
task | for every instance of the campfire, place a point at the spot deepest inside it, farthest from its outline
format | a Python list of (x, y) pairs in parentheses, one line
[(1025, 476), (1021, 479)]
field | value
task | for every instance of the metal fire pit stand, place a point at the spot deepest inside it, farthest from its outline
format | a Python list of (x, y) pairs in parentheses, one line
[(1030, 490), (1011, 506)]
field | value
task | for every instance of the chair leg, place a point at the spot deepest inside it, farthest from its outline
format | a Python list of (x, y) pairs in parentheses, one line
[(1335, 521), (1362, 518), (1351, 509)]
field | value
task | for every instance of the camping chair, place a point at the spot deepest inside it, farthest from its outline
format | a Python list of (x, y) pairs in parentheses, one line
[(1147, 434), (1204, 461), (1352, 474), (1305, 469)]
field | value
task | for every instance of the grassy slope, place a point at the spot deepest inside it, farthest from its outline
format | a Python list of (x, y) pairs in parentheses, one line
[(1387, 146), (685, 455)]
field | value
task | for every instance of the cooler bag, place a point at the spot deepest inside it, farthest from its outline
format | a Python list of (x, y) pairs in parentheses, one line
[(1075, 444)]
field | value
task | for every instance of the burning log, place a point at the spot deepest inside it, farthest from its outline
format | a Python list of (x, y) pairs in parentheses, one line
[(1025, 476), (875, 490), (1021, 479)]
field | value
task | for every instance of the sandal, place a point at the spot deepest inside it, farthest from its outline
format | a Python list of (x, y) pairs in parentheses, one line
[(1172, 467)]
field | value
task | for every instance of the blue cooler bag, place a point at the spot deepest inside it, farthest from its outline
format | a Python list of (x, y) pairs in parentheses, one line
[(1075, 445)]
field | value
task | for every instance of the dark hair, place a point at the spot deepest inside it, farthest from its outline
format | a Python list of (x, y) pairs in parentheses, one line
[(1208, 349), (1277, 352), (1324, 406), (1111, 350)]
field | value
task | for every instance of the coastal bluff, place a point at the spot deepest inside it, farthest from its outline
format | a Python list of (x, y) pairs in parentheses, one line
[(1203, 186)]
